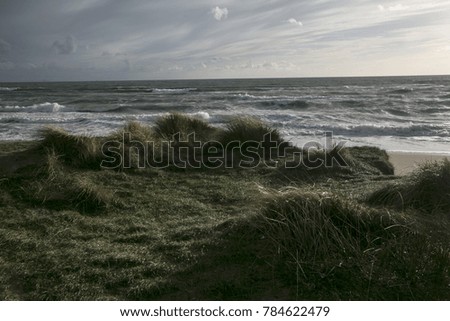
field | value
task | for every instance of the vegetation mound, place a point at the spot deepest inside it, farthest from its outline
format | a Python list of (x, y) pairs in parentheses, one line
[(318, 228), (167, 126), (180, 235), (310, 165), (328, 247), (56, 187), (427, 188), (76, 150), (136, 130), (245, 129)]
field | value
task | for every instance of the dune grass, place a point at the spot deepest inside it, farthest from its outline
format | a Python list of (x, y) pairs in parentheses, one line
[(76, 150), (73, 232), (137, 131), (308, 166), (427, 189), (57, 187), (325, 242), (243, 129), (167, 126), (327, 225)]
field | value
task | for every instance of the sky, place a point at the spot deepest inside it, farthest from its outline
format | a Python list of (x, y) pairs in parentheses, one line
[(77, 40)]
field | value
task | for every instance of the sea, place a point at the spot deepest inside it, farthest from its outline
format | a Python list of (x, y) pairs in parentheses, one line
[(393, 113)]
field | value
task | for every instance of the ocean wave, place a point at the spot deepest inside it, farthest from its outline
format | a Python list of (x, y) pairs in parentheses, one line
[(293, 104), (404, 90), (132, 109), (201, 114), (435, 110), (9, 88), (172, 90), (46, 120), (396, 112), (371, 130), (351, 103), (444, 96), (40, 108), (246, 96)]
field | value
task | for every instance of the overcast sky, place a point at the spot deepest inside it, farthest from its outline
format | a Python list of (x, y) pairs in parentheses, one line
[(167, 39)]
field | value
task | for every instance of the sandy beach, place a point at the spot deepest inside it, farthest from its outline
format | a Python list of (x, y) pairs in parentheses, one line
[(406, 162)]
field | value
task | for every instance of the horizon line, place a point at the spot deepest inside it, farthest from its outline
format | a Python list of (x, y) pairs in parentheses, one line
[(227, 78)]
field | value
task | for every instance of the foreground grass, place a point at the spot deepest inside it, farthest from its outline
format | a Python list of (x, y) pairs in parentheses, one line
[(74, 232)]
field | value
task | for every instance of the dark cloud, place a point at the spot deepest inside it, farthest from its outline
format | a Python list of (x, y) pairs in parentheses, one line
[(5, 47), (68, 46), (178, 38)]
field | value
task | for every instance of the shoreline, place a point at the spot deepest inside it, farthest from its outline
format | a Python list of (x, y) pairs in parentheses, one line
[(405, 162)]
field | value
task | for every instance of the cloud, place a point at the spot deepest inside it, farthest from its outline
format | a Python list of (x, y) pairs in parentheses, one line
[(219, 13), (396, 7), (66, 47), (128, 66), (293, 21), (178, 33), (4, 47), (6, 65)]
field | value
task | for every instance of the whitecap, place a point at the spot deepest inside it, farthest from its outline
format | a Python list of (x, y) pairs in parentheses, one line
[(8, 88), (39, 108), (172, 90), (201, 114)]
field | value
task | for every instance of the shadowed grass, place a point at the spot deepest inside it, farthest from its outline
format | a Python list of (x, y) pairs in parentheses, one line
[(167, 126), (427, 189), (137, 131), (338, 162), (373, 157), (318, 228), (76, 150), (56, 187), (327, 247), (135, 141), (244, 129)]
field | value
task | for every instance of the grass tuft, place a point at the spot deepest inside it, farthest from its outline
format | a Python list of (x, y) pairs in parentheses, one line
[(427, 189), (88, 197), (243, 129), (167, 126), (59, 188), (76, 150), (327, 247), (137, 131), (318, 228)]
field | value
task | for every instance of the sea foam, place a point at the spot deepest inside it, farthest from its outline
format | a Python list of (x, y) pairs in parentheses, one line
[(41, 108)]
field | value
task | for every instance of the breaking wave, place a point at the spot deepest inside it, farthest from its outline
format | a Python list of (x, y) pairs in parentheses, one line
[(40, 108)]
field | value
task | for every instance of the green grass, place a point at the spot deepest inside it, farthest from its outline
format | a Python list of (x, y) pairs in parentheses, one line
[(334, 248), (73, 232), (76, 150), (57, 187)]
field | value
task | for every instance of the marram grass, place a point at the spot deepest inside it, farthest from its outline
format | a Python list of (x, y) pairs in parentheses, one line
[(77, 150), (169, 125), (212, 235), (243, 129), (427, 189)]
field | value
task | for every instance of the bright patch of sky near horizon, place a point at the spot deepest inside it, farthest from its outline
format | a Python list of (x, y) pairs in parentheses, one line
[(162, 39)]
